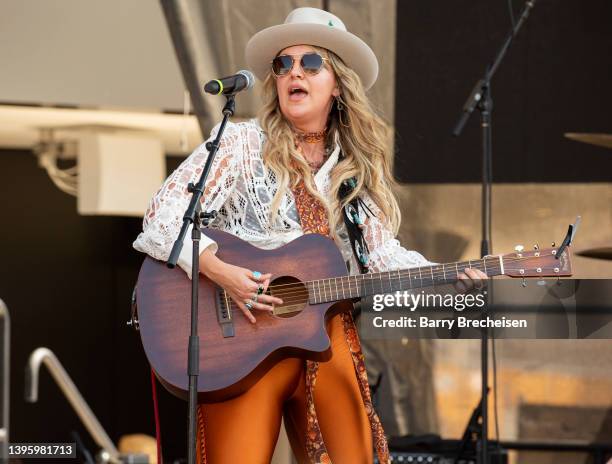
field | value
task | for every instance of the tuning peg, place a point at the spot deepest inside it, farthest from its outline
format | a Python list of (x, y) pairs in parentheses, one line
[(524, 282), (553, 244), (519, 248), (536, 247)]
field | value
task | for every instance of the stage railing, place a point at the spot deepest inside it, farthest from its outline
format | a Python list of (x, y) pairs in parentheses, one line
[(5, 337), (45, 356)]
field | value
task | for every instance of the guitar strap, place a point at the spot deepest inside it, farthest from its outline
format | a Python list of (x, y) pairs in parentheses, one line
[(352, 221)]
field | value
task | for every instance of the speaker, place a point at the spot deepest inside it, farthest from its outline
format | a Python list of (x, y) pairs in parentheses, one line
[(118, 172)]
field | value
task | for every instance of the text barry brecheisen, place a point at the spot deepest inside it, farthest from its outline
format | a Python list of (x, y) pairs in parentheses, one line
[(461, 322)]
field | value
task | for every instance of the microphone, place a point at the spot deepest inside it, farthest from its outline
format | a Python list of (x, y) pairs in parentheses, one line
[(230, 85)]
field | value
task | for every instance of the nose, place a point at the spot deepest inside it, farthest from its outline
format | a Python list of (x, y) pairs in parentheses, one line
[(296, 68)]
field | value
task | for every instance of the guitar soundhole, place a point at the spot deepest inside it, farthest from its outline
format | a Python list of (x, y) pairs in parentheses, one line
[(294, 294)]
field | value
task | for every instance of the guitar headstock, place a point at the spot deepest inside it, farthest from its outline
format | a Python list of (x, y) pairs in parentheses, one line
[(538, 263)]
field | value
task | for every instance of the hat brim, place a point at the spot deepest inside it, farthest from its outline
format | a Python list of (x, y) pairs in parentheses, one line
[(356, 54)]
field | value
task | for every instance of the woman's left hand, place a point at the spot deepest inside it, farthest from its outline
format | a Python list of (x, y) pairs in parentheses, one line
[(470, 279)]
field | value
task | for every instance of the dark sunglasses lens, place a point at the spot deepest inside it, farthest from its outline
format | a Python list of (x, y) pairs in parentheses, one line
[(282, 65), (312, 63)]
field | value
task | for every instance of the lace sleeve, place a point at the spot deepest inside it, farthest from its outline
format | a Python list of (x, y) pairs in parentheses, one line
[(386, 253), (164, 217)]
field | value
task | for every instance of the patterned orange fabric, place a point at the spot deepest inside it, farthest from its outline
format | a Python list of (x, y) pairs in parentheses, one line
[(201, 441), (311, 211), (313, 219)]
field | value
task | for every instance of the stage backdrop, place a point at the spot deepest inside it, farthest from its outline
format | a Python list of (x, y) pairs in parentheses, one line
[(556, 78)]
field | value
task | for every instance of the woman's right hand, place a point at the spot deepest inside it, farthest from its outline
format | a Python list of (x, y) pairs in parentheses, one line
[(240, 284)]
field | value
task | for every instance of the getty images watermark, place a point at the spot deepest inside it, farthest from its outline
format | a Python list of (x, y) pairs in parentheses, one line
[(508, 308), (412, 301), (457, 302)]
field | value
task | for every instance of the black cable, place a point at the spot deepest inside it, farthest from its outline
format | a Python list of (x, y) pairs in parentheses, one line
[(511, 10), (80, 448), (495, 410), (493, 353)]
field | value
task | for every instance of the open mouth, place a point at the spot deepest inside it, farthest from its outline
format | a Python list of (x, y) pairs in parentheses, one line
[(297, 93)]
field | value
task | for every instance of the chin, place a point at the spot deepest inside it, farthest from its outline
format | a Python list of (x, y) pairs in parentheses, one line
[(297, 113)]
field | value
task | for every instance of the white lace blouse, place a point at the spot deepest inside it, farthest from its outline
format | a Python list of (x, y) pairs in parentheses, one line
[(240, 188)]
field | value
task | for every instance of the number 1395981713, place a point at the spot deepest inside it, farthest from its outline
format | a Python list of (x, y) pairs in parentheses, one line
[(41, 450)]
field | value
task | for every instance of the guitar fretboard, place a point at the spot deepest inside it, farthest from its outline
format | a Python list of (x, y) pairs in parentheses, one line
[(357, 286)]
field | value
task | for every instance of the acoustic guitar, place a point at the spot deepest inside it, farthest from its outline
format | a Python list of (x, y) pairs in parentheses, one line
[(310, 276)]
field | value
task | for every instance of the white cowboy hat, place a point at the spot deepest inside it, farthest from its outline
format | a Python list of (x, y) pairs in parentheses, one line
[(311, 26)]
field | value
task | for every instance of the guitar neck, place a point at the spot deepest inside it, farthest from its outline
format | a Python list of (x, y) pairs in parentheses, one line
[(357, 286)]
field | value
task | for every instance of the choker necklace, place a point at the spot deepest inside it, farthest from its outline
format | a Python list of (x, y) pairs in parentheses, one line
[(311, 137)]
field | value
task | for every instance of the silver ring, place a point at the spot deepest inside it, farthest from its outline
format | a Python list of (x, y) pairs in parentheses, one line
[(249, 306)]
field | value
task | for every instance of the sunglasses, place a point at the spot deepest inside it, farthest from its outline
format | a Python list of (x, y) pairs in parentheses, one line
[(311, 63)]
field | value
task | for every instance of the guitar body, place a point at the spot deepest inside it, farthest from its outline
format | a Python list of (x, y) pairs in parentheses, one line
[(234, 353)]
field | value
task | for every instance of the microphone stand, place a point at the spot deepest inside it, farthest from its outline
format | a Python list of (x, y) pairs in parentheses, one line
[(480, 98), (194, 216)]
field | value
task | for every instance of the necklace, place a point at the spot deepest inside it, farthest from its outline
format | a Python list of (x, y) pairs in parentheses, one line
[(311, 137), (314, 165)]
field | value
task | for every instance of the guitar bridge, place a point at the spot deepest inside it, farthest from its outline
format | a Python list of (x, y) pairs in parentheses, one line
[(224, 313)]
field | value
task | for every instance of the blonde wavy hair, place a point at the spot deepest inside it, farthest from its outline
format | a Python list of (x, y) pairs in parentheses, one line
[(363, 136)]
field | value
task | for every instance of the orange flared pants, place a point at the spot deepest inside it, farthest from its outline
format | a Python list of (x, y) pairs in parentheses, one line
[(245, 429)]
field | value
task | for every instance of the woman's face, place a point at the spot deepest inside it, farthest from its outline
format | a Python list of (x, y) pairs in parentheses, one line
[(309, 108)]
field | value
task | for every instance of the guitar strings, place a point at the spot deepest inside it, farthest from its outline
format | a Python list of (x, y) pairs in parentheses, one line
[(300, 289), (303, 295), (438, 272), (299, 293)]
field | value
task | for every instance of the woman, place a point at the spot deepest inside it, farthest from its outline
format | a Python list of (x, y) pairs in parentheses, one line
[(272, 181)]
